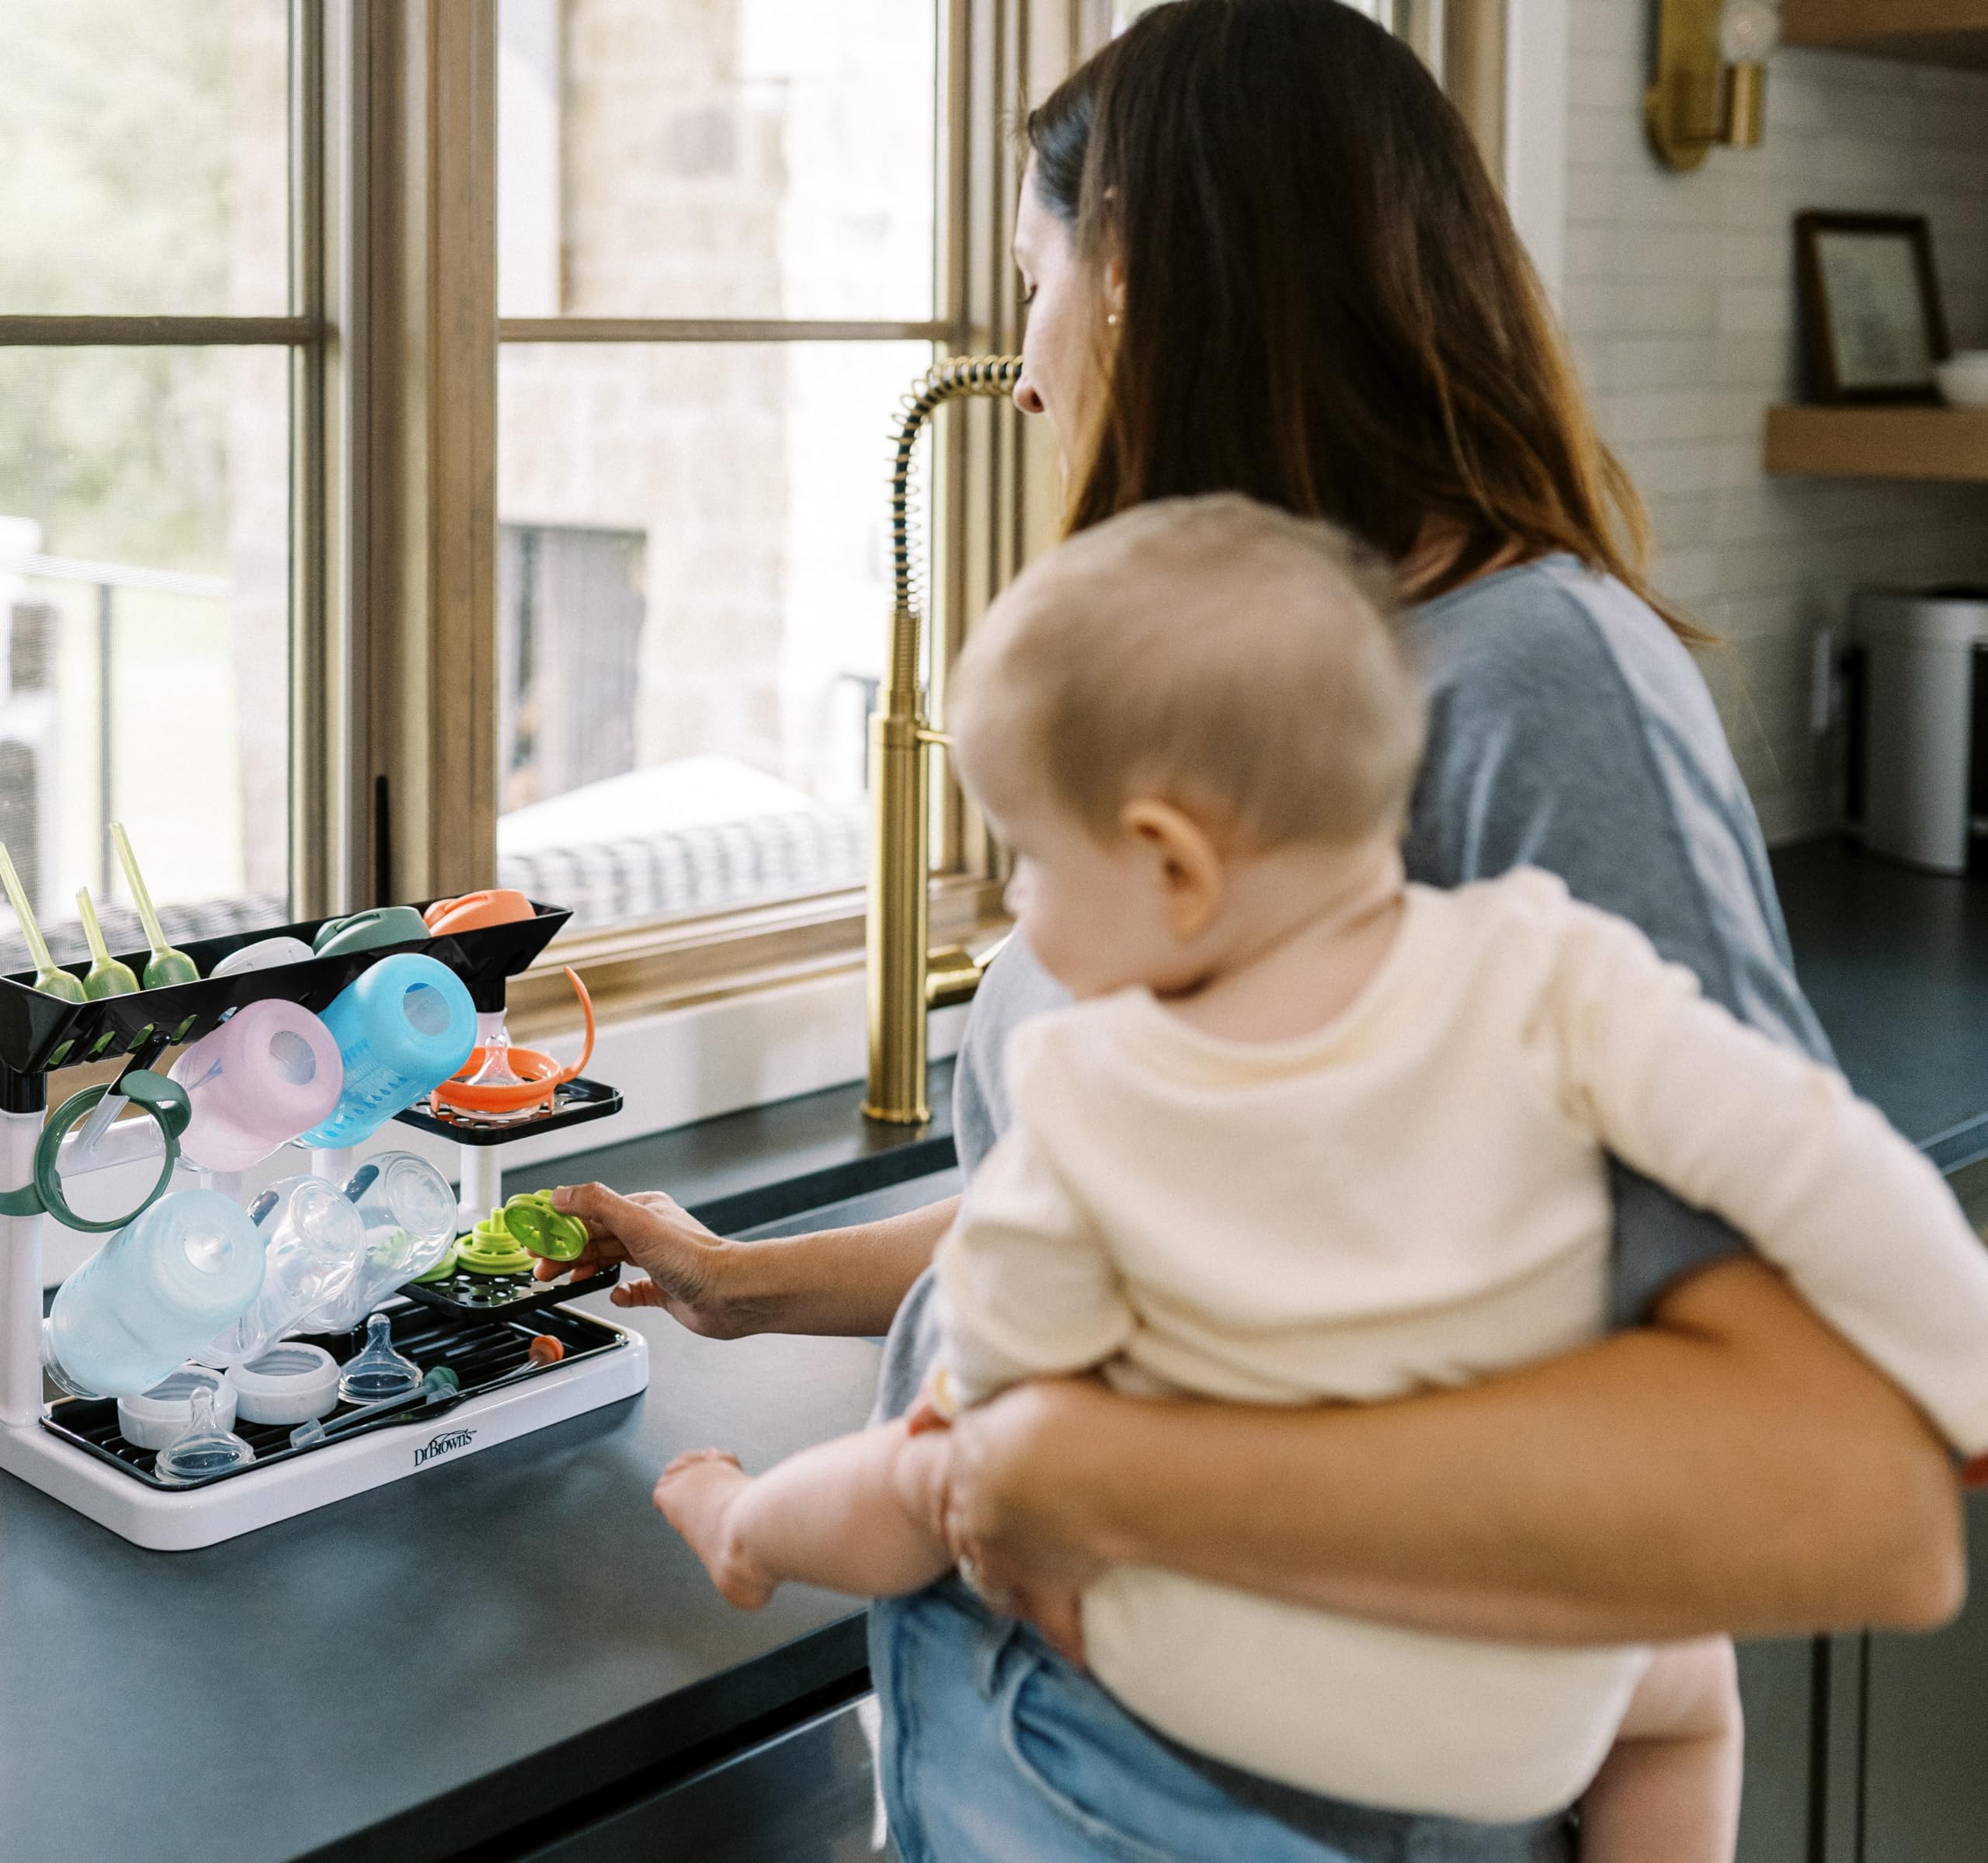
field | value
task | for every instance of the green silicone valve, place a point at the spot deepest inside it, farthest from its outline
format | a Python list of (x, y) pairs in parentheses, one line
[(531, 1218), (491, 1248), (442, 1270)]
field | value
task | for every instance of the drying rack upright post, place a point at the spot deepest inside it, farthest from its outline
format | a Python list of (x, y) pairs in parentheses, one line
[(23, 1102)]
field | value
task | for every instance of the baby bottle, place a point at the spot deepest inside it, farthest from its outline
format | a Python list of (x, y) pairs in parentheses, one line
[(401, 1028), (408, 1212), (270, 1072), (153, 1296), (314, 1245)]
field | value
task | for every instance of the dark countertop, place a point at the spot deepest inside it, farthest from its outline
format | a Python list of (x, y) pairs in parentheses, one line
[(419, 1669), (1896, 964), (514, 1637)]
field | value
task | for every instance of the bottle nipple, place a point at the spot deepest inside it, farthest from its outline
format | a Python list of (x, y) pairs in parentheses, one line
[(379, 1371), (205, 1450), (496, 1070)]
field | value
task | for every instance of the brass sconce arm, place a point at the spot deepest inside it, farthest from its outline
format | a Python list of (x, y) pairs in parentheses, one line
[(905, 979)]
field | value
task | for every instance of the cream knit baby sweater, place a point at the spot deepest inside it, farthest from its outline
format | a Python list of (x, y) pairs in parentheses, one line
[(1415, 1196)]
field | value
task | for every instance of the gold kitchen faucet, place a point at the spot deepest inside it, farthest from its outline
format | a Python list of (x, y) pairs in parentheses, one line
[(907, 980)]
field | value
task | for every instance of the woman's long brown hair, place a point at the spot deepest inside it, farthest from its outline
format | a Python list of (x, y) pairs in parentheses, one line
[(1326, 305)]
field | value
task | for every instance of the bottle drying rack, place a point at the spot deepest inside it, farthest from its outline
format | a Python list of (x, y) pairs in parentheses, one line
[(71, 1448)]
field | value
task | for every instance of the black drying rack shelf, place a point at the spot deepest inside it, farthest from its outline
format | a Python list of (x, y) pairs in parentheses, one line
[(479, 1349), (505, 1295), (39, 1033), (574, 1103)]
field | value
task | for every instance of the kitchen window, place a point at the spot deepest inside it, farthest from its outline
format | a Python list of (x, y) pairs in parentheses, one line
[(448, 443), (158, 339)]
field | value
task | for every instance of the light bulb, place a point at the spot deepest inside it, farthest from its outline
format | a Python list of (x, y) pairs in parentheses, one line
[(1750, 31)]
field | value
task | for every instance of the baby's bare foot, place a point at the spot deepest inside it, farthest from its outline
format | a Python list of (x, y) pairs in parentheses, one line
[(696, 1496)]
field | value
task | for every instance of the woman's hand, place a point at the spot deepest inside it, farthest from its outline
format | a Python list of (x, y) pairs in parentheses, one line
[(1007, 1513), (687, 1264), (837, 1283)]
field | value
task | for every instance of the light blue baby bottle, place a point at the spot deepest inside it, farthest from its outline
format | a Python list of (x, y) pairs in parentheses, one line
[(153, 1296), (401, 1027)]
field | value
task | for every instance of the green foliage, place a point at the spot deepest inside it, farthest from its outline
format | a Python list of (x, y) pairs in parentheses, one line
[(126, 129)]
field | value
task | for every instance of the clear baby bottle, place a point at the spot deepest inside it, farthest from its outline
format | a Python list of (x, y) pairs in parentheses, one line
[(153, 1296), (267, 1074), (401, 1027), (409, 1215), (315, 1245)]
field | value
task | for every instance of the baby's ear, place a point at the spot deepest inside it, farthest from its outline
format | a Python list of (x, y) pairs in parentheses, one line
[(1191, 873)]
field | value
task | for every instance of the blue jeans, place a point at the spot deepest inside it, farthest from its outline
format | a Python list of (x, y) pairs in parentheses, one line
[(995, 1751)]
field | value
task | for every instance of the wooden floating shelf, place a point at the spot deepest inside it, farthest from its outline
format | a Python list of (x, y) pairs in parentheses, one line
[(1928, 32), (1948, 443)]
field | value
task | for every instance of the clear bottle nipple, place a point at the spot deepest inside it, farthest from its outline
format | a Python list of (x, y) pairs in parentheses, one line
[(205, 1450), (378, 1372), (496, 1070)]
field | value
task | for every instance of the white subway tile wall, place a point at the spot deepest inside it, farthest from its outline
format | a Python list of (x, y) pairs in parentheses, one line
[(1680, 302)]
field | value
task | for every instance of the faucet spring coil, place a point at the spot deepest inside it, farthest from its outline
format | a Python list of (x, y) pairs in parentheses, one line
[(986, 376)]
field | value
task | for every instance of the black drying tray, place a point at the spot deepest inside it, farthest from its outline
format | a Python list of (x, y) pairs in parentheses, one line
[(38, 1032), (505, 1294), (574, 1103), (479, 1349)]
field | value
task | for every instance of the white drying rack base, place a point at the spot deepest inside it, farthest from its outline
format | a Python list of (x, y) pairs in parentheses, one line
[(167, 1522)]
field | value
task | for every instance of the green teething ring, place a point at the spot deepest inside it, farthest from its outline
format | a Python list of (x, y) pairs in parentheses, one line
[(164, 1101)]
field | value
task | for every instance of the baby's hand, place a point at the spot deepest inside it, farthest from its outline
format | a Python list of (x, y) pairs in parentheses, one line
[(696, 1494)]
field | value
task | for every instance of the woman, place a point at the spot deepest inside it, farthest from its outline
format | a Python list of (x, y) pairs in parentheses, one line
[(1262, 255)]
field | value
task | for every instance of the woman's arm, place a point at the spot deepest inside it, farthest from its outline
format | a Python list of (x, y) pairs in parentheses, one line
[(1734, 1466), (838, 1281)]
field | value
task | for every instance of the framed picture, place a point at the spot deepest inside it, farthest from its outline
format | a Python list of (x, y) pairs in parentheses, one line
[(1872, 322)]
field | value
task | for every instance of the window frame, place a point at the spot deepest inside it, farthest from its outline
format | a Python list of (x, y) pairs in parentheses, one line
[(995, 496), (305, 332)]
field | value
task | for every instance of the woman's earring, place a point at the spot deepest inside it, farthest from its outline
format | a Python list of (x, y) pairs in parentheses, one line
[(1111, 319)]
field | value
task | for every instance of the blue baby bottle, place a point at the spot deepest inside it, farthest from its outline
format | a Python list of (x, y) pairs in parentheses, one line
[(403, 1027), (153, 1296)]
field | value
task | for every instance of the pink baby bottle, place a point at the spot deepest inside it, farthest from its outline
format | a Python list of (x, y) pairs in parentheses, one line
[(269, 1073)]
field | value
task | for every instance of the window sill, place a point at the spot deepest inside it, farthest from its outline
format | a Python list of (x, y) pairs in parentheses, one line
[(649, 969)]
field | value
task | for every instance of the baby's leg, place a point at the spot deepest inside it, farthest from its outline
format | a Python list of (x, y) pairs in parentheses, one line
[(1670, 1786), (840, 1515)]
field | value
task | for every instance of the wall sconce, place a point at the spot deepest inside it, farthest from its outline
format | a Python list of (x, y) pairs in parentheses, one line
[(1711, 83)]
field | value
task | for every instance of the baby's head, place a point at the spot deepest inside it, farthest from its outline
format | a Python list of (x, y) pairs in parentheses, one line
[(1182, 722)]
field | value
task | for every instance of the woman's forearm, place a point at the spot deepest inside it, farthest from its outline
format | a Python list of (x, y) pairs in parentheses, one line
[(1735, 1467), (836, 1282)]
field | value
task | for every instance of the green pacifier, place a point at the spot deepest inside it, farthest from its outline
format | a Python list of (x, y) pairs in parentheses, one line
[(531, 1218)]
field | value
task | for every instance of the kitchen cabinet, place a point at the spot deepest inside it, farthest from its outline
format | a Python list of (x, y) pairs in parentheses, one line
[(806, 1797), (1926, 1732), (1777, 1684)]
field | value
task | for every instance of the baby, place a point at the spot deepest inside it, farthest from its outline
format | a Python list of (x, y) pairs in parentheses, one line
[(1310, 1134)]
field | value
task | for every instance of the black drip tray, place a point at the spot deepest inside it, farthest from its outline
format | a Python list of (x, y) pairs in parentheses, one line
[(479, 1349)]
